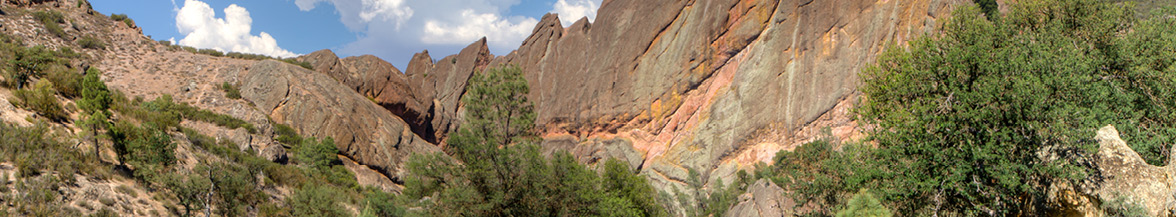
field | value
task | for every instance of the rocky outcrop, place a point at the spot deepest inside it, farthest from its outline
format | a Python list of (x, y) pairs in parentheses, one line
[(427, 96), (762, 199), (688, 82), (318, 106), (1120, 175), (685, 83)]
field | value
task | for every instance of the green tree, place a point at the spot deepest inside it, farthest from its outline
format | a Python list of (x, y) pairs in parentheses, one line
[(95, 101), (29, 62), (191, 190), (981, 119), (501, 171), (318, 154)]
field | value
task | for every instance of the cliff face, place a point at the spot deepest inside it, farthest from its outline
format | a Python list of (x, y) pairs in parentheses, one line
[(689, 82), (689, 85)]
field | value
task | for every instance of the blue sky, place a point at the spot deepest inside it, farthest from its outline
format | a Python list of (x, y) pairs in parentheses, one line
[(391, 29)]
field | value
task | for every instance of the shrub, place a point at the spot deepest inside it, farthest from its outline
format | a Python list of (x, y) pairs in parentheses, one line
[(970, 116), (377, 203), (67, 83), (286, 134), (89, 42), (210, 52), (303, 64), (124, 189), (318, 154), (28, 63), (123, 18), (1121, 206), (231, 91), (863, 204), (52, 21), (316, 200), (104, 212), (43, 100)]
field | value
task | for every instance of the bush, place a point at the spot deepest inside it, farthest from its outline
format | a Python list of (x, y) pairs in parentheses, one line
[(89, 42), (52, 21), (210, 52), (28, 63), (67, 83), (34, 150), (315, 200), (43, 100), (286, 134), (1121, 206), (318, 154), (863, 204), (123, 18), (988, 114), (231, 91)]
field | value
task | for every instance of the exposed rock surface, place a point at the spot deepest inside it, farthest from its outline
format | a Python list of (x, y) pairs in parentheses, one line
[(686, 83), (318, 106), (1121, 175), (762, 199)]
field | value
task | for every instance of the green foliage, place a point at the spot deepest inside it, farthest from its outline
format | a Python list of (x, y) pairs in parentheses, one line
[(1121, 206), (286, 134), (377, 203), (165, 113), (95, 96), (502, 173), (52, 21), (89, 42), (318, 154), (190, 190), (989, 7), (38, 196), (104, 212), (712, 202), (150, 150), (303, 64), (235, 189), (27, 63), (34, 150), (67, 83), (863, 204), (123, 18), (43, 100), (964, 118), (497, 111), (210, 52), (231, 91), (315, 200)]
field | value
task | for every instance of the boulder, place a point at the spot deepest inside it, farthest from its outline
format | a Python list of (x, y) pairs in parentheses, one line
[(1123, 175), (762, 199)]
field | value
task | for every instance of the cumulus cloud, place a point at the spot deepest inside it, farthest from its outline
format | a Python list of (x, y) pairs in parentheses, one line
[(198, 22), (498, 31), (394, 29), (356, 14), (572, 10)]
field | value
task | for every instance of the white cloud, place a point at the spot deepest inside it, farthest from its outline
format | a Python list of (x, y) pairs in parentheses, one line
[(198, 22), (356, 14), (394, 29), (473, 26), (572, 10)]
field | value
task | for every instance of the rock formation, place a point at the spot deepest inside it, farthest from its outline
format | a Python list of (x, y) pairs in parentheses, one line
[(318, 106), (1120, 175)]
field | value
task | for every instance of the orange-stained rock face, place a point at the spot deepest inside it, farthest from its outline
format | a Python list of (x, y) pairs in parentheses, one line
[(689, 84)]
